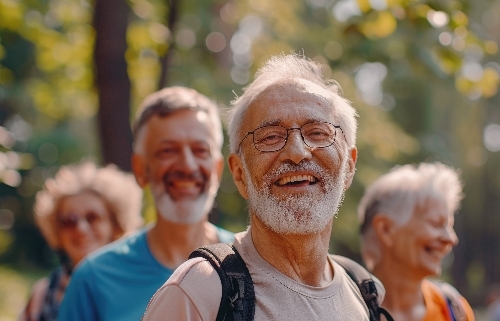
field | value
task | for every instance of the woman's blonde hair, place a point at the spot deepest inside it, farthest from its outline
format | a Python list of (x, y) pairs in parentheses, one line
[(119, 190)]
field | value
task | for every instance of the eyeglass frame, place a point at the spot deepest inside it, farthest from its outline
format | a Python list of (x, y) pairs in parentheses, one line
[(287, 135), (71, 221)]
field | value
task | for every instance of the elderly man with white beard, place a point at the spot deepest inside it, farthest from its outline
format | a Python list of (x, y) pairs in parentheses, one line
[(293, 155), (177, 153)]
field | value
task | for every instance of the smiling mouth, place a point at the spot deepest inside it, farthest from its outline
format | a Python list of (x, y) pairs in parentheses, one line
[(180, 189), (180, 185), (436, 253), (296, 180), (184, 184)]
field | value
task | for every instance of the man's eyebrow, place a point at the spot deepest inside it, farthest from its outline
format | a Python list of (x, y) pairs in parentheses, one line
[(167, 141), (315, 119), (272, 122), (279, 122), (174, 142)]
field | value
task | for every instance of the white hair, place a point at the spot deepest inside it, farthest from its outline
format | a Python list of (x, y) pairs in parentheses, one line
[(118, 189), (283, 69), (399, 193)]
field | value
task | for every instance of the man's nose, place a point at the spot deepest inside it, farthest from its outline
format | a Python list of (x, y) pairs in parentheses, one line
[(188, 160), (295, 148)]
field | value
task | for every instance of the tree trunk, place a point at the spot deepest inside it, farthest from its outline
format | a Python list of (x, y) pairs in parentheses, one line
[(173, 15), (112, 82)]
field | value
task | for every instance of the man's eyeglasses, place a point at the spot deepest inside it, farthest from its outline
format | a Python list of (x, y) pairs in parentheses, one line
[(271, 138), (71, 221)]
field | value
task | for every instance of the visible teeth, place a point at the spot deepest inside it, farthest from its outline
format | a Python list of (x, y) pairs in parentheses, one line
[(296, 178), (184, 184)]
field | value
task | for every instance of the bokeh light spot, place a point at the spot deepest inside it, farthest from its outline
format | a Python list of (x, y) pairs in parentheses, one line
[(491, 137), (333, 50), (345, 9), (240, 43), (215, 41), (438, 19), (6, 219), (445, 38), (11, 177), (186, 38)]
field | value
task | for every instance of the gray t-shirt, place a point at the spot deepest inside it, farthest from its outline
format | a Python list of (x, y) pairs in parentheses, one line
[(194, 292)]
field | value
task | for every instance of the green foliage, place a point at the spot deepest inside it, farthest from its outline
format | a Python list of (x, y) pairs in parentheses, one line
[(14, 290)]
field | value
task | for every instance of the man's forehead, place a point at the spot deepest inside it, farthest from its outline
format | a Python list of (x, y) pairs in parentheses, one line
[(313, 88), (298, 85), (184, 122), (301, 97)]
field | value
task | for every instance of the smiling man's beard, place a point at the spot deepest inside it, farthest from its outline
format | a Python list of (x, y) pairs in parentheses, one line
[(186, 210), (297, 213)]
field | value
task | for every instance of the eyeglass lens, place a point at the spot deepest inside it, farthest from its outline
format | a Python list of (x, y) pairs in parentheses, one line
[(71, 221), (314, 135)]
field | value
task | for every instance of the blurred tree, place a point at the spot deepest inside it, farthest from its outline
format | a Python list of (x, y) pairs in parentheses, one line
[(110, 24)]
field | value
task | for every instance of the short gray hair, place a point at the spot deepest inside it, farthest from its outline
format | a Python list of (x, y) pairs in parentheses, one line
[(118, 189), (172, 99), (398, 193), (282, 69)]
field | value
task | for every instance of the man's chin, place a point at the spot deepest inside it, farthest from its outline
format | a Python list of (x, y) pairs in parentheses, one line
[(185, 211), (293, 225)]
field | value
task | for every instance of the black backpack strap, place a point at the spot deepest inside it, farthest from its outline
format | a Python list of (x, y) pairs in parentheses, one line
[(238, 296), (363, 279)]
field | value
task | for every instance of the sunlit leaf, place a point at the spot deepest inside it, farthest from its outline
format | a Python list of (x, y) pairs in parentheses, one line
[(379, 24)]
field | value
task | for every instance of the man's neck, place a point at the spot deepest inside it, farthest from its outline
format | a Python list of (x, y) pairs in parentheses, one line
[(303, 258), (171, 243), (404, 298)]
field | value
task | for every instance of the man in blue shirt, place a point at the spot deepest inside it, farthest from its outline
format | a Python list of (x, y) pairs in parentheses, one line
[(177, 153)]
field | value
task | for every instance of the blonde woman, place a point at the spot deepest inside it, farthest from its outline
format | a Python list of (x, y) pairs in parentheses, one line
[(81, 209)]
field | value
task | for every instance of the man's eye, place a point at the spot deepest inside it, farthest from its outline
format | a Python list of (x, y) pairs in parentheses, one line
[(271, 138), (201, 152), (317, 135), (166, 152)]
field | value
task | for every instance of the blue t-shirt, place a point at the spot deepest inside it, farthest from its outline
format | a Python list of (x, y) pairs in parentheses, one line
[(117, 282)]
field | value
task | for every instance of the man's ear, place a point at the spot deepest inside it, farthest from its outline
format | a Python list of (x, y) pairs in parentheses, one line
[(139, 169), (384, 228), (219, 167), (351, 167), (236, 168)]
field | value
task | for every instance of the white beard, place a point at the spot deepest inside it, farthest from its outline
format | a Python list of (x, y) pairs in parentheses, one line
[(297, 214), (185, 211)]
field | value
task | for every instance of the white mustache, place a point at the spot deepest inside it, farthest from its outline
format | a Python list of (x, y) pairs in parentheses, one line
[(288, 167)]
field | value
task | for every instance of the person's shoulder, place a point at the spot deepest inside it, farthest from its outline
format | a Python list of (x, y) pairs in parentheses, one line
[(192, 271), (39, 289), (194, 289), (459, 305), (197, 278), (40, 285)]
